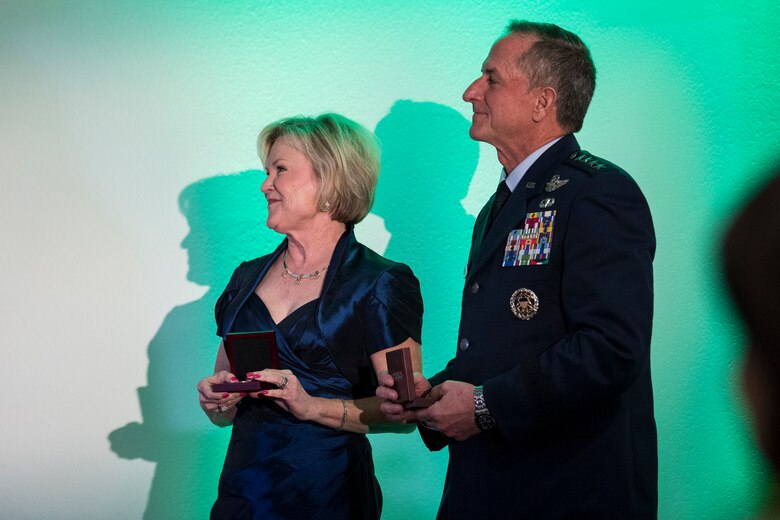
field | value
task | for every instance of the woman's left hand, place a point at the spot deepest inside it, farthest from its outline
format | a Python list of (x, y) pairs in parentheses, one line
[(289, 395)]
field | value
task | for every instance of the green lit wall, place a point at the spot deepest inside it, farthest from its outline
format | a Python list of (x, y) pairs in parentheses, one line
[(130, 190)]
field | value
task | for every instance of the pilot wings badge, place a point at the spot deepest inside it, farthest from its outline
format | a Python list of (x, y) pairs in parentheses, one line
[(554, 183)]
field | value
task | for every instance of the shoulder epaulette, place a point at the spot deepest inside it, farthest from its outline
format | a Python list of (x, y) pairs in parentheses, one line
[(590, 163)]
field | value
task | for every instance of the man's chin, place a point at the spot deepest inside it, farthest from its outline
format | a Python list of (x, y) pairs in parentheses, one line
[(477, 134)]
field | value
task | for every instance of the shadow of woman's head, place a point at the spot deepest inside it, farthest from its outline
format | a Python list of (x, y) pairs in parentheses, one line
[(226, 215)]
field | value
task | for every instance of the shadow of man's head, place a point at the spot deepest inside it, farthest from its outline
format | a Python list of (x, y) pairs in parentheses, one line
[(428, 161)]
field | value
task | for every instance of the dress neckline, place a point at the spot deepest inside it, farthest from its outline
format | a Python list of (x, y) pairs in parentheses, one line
[(295, 312)]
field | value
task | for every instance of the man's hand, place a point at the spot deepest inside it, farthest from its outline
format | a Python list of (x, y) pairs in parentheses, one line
[(453, 412), (393, 411)]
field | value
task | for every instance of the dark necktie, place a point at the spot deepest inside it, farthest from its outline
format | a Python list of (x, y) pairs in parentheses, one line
[(502, 194)]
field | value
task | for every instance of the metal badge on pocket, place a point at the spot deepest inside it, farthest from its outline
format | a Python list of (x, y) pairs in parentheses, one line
[(524, 303)]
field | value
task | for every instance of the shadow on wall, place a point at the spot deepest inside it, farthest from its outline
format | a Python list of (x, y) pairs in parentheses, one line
[(428, 161), (226, 215), (427, 164)]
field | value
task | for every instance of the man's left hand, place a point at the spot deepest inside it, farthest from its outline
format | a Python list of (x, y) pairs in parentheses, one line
[(453, 412)]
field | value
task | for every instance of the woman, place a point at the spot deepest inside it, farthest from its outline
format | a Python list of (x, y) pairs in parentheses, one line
[(336, 307)]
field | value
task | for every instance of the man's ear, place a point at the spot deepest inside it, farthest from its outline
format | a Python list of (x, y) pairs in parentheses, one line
[(545, 103)]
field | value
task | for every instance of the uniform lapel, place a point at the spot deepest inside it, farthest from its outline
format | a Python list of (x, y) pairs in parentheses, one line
[(480, 227), (513, 213), (514, 207)]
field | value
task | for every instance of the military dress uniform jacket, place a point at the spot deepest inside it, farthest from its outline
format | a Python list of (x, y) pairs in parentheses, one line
[(568, 382)]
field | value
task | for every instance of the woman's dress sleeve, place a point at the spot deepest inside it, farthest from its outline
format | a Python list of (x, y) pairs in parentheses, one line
[(394, 311)]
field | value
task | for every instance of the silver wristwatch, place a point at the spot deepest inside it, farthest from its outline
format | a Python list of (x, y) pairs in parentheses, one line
[(482, 416)]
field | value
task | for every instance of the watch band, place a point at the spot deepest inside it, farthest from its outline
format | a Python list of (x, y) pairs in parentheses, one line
[(482, 417)]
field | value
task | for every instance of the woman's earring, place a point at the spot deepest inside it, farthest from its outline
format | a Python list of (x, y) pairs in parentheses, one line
[(325, 207)]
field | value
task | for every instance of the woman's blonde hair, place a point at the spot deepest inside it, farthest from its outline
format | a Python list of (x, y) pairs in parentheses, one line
[(344, 155)]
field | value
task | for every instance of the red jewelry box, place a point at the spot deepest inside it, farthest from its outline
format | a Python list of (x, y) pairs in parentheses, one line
[(249, 352), (399, 365)]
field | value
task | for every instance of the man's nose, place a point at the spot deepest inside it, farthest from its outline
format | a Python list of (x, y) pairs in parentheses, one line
[(472, 92)]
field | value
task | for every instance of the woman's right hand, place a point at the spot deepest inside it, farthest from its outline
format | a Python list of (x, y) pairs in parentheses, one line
[(387, 393), (218, 402)]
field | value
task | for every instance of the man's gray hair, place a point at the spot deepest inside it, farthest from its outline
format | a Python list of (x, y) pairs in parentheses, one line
[(558, 59)]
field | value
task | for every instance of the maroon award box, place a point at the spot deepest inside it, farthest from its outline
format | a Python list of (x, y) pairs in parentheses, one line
[(399, 365), (249, 352)]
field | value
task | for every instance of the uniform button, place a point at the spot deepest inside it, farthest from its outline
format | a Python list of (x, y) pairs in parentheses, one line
[(464, 344), (474, 288)]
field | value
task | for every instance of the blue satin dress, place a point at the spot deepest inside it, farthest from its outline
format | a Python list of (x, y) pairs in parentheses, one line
[(278, 467)]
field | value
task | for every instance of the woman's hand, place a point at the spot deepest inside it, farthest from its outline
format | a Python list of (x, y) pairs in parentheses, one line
[(289, 394), (218, 402), (387, 393)]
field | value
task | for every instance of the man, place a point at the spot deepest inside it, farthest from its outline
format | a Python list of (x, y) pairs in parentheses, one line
[(547, 407)]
